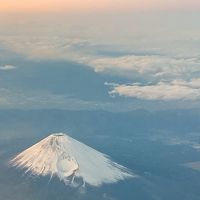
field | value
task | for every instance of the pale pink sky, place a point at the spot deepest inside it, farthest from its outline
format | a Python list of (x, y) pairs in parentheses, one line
[(87, 5)]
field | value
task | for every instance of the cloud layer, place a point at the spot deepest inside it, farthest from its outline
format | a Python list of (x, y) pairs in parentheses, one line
[(175, 90), (150, 66), (161, 63)]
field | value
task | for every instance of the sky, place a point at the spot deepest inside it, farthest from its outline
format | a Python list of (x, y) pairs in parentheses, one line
[(117, 61), (97, 5)]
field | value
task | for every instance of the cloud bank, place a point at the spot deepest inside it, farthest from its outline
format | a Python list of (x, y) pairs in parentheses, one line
[(175, 90), (150, 66)]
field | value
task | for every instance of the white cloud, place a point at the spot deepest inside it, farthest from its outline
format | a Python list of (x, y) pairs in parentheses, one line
[(151, 66), (7, 67), (175, 90), (84, 50), (48, 47)]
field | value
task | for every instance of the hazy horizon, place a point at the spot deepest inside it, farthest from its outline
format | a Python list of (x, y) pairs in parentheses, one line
[(88, 5)]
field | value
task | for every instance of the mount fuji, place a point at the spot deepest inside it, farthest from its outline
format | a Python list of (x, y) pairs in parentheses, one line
[(72, 161)]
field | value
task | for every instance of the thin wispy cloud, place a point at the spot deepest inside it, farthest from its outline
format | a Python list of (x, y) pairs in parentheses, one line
[(25, 99), (7, 67), (170, 138), (10, 98)]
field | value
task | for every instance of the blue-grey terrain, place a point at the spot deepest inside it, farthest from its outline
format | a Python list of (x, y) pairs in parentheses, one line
[(154, 145)]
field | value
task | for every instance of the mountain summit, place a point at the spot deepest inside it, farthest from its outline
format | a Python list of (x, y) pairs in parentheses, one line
[(72, 161)]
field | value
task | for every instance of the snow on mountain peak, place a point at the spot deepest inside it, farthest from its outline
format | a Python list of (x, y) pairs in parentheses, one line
[(72, 161)]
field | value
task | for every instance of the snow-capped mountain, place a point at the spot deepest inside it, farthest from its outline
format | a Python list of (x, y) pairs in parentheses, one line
[(72, 161)]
